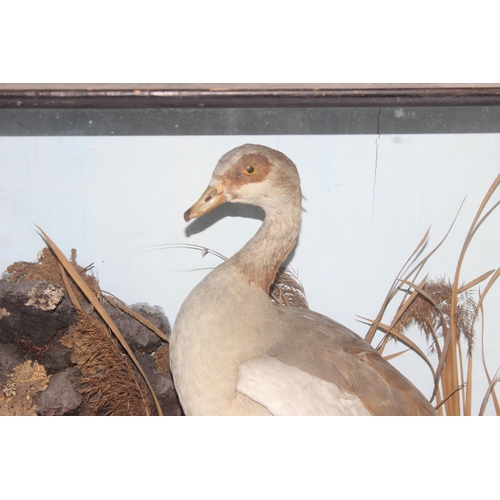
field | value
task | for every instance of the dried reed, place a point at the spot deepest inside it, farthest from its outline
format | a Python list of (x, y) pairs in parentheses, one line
[(446, 313)]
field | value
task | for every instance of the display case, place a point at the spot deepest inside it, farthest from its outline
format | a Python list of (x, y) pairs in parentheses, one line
[(110, 170)]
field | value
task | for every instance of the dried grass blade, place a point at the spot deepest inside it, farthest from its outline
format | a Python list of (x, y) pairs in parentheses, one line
[(393, 290), (475, 282), (67, 285), (493, 393), (415, 271), (404, 306), (395, 355), (451, 358), (439, 371), (459, 388), (403, 339), (486, 290), (486, 199), (100, 309), (120, 305), (421, 264), (488, 393), (383, 343), (418, 289), (486, 215), (468, 391), (412, 297), (418, 247), (202, 249)]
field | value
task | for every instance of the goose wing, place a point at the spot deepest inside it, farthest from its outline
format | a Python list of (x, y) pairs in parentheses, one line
[(320, 367)]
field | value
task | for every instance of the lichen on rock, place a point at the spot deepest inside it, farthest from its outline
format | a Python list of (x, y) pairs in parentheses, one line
[(45, 296), (24, 382)]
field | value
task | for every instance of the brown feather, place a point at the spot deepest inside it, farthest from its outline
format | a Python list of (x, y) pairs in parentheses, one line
[(322, 347)]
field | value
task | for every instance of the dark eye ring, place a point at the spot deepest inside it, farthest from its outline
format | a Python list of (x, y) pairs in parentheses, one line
[(250, 169)]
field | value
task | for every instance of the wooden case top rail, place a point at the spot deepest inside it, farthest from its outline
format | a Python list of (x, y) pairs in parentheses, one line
[(244, 95)]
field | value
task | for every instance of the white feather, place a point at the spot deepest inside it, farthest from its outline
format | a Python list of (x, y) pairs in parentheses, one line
[(286, 390)]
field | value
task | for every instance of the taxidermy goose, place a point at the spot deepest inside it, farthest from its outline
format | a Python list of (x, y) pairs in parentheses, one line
[(235, 352)]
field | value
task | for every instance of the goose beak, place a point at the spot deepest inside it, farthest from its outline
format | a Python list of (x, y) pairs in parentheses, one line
[(211, 198)]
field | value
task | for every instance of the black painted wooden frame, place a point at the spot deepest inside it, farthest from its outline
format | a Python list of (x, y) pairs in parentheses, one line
[(237, 96)]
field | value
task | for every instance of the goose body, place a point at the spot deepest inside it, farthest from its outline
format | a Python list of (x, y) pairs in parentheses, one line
[(235, 352)]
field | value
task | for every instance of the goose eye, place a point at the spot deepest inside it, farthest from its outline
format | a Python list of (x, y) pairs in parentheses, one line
[(250, 169)]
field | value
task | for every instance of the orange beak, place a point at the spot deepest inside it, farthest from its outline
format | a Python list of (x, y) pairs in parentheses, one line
[(211, 198)]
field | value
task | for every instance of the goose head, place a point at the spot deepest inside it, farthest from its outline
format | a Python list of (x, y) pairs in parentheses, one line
[(255, 175)]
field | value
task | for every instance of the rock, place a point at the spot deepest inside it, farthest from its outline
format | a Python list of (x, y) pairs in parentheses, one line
[(139, 337), (61, 395), (57, 358), (162, 385), (155, 314), (9, 357), (34, 315), (32, 310)]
